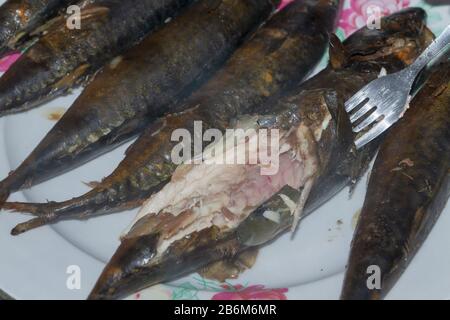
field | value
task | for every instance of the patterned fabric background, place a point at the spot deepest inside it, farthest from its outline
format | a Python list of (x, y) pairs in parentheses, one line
[(354, 15)]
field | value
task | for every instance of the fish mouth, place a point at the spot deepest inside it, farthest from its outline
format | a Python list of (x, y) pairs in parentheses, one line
[(203, 214), (401, 36)]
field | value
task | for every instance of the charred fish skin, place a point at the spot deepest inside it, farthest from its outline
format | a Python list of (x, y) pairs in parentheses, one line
[(65, 57), (276, 58), (18, 17), (144, 84), (122, 276), (408, 189)]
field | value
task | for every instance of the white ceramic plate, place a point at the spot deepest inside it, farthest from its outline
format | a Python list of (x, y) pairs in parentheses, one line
[(310, 266)]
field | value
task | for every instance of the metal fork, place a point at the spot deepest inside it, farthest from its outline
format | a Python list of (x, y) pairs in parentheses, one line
[(383, 102)]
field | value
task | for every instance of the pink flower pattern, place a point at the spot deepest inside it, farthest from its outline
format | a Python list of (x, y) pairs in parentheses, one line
[(257, 292), (357, 15)]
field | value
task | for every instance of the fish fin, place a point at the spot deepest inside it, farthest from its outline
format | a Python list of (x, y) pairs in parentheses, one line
[(72, 78), (92, 184), (4, 195), (223, 270), (338, 53), (360, 166)]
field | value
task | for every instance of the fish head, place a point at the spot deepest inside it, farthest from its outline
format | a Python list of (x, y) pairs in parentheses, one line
[(393, 44)]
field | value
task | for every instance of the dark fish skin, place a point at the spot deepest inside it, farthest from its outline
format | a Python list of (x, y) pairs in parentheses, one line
[(22, 16), (278, 57), (64, 58), (146, 83), (408, 189), (135, 264)]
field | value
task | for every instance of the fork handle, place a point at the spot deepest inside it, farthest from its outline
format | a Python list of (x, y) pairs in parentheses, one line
[(431, 52)]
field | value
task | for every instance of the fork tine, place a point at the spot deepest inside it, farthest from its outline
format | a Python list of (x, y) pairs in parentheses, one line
[(355, 101), (361, 112), (366, 122), (373, 133)]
